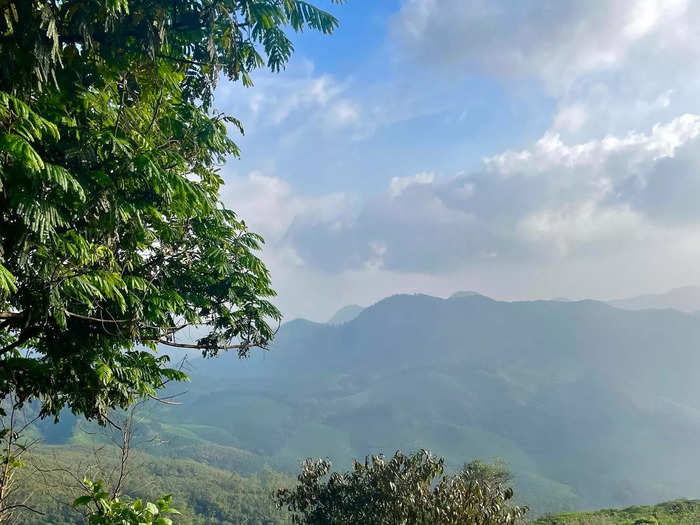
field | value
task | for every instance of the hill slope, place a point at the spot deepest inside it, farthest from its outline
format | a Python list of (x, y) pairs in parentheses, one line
[(592, 406), (204, 495)]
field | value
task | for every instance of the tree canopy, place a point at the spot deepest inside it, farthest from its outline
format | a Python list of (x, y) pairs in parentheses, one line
[(404, 489), (113, 237)]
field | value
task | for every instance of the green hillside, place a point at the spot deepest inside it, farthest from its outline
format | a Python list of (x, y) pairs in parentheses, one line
[(678, 512), (572, 395), (205, 495)]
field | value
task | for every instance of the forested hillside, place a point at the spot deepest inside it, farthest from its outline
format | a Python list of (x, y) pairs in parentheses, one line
[(572, 395), (204, 495)]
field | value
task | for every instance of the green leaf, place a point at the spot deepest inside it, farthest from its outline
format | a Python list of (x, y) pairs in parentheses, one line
[(82, 501), (151, 508)]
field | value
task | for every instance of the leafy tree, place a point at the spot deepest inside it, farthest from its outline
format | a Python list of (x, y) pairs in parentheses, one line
[(112, 234), (406, 489), (114, 511)]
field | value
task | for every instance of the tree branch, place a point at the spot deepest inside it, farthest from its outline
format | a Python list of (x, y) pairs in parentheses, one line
[(23, 337), (167, 329), (164, 400), (184, 60), (97, 319), (21, 506), (204, 347)]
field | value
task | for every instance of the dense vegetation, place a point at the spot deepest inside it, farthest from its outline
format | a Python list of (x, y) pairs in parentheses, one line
[(376, 491), (210, 496), (411, 489), (203, 495), (113, 237), (678, 512)]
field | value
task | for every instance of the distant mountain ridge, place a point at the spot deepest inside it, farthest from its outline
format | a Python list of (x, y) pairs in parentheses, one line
[(684, 299)]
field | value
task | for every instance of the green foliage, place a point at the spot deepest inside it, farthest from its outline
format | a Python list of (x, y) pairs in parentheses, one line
[(203, 495), (405, 489), (112, 234), (677, 512), (114, 511)]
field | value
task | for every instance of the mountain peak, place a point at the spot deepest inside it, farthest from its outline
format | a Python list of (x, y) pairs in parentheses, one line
[(346, 314)]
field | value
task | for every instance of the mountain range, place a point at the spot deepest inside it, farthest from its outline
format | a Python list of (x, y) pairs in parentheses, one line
[(685, 299), (589, 404)]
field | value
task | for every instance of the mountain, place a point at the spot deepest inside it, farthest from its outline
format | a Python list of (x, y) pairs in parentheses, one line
[(346, 314), (592, 406), (685, 299)]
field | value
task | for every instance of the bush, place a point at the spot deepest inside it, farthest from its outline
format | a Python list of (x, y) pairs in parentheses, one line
[(406, 489)]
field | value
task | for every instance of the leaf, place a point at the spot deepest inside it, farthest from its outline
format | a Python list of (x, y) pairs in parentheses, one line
[(151, 508), (104, 372), (21, 151), (82, 501), (8, 283)]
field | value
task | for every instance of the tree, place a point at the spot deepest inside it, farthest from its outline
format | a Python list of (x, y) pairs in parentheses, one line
[(112, 234), (406, 489)]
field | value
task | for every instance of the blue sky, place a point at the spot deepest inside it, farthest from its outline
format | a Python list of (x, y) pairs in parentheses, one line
[(525, 150)]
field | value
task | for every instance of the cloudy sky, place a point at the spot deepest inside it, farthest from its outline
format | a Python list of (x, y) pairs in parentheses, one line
[(526, 149)]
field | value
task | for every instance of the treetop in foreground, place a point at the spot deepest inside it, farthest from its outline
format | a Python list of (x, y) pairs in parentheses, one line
[(113, 237), (404, 489)]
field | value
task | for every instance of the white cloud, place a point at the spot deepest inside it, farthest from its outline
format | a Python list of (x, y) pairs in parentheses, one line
[(299, 99), (561, 230), (272, 205), (550, 151), (552, 201), (571, 117), (555, 41), (610, 65), (399, 184)]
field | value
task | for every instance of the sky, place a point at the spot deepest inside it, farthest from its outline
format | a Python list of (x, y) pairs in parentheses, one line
[(525, 150)]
